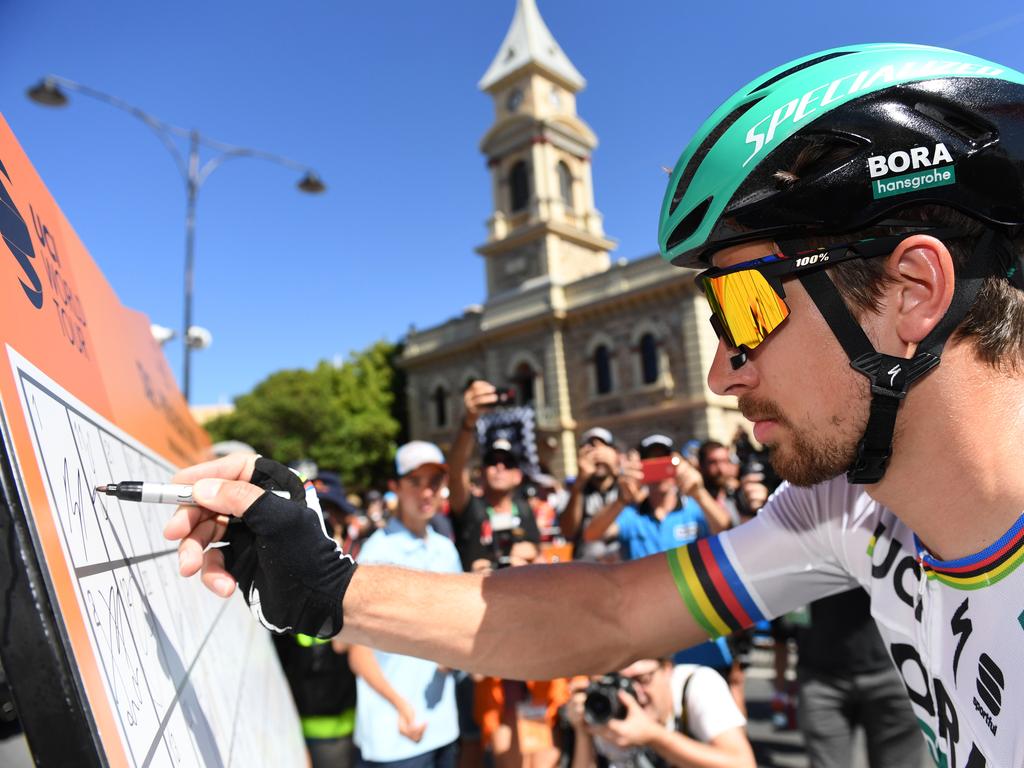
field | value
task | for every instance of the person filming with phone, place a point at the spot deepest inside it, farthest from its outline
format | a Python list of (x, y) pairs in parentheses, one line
[(594, 489), (662, 504), (485, 526)]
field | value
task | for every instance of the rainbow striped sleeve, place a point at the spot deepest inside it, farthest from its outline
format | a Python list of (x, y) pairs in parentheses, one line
[(711, 589)]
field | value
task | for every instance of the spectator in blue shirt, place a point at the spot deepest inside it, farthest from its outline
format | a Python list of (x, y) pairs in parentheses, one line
[(406, 717), (662, 515)]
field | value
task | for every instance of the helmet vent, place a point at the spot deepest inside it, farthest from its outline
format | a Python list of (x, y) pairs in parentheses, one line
[(972, 130), (705, 146), (798, 67), (820, 154), (689, 224)]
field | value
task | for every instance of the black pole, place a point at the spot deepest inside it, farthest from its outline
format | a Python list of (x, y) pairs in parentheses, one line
[(192, 190)]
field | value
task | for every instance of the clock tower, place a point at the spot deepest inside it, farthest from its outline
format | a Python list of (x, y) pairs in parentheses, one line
[(545, 228)]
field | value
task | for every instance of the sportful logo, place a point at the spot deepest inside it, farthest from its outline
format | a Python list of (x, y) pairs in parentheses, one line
[(762, 133), (990, 687), (914, 159)]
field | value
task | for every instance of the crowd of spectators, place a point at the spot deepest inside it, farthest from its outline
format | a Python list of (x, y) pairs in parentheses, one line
[(479, 509)]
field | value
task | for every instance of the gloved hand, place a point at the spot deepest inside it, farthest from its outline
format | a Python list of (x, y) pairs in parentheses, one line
[(291, 572)]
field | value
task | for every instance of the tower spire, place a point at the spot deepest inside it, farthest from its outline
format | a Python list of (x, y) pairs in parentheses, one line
[(529, 41)]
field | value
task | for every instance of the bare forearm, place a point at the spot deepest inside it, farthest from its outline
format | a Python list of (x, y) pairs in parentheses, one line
[(364, 664), (458, 460), (601, 522), (584, 755), (528, 623), (572, 515), (716, 514)]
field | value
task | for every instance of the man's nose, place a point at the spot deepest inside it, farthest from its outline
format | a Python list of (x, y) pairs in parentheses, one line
[(726, 379)]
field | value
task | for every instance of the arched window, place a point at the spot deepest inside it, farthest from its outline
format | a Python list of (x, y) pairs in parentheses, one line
[(648, 358), (519, 186), (565, 185), (440, 398), (602, 370), (524, 380)]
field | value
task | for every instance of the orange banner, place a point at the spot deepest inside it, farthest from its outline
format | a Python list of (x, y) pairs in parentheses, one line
[(58, 313)]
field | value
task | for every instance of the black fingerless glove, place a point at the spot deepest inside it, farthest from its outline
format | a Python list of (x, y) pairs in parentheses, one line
[(292, 573)]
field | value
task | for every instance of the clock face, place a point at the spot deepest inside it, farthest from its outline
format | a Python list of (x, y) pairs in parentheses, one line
[(555, 98), (515, 98)]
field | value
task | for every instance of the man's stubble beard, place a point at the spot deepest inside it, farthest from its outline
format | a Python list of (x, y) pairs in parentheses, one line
[(806, 457)]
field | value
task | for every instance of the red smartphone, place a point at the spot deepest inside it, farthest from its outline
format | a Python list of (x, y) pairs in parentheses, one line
[(661, 468)]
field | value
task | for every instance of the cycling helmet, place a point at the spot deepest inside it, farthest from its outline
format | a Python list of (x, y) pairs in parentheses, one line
[(888, 110), (873, 129)]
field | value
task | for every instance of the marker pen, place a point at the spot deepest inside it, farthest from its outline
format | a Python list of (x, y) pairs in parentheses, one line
[(157, 493)]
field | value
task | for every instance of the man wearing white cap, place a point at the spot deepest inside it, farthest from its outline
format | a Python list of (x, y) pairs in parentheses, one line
[(487, 525), (406, 711)]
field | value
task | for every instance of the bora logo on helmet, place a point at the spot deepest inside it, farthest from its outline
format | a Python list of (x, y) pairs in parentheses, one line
[(901, 160)]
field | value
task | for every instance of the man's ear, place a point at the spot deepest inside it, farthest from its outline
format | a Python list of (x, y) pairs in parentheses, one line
[(921, 288), (393, 486)]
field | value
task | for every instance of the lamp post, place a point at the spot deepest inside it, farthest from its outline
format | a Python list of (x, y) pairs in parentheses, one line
[(50, 92)]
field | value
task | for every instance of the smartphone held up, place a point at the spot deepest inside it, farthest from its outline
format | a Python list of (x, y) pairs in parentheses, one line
[(660, 468)]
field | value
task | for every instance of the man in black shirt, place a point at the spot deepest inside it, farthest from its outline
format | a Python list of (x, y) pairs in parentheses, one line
[(847, 680), (595, 487), (486, 526)]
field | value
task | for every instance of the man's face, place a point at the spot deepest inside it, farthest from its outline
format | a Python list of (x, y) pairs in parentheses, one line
[(796, 386), (604, 457), (652, 683), (501, 472), (419, 492), (719, 467)]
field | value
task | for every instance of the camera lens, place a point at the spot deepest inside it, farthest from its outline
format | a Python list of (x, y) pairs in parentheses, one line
[(598, 708)]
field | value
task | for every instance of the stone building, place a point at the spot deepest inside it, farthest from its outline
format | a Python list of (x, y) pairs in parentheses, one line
[(588, 341)]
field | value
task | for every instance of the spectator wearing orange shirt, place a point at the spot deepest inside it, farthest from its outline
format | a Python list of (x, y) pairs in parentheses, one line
[(517, 718)]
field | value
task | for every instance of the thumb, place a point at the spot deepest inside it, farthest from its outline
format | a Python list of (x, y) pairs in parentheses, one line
[(629, 701), (225, 497)]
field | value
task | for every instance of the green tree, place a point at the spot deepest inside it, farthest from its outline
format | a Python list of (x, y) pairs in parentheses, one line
[(342, 417)]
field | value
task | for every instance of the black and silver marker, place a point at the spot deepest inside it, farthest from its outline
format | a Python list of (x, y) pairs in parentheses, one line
[(157, 493)]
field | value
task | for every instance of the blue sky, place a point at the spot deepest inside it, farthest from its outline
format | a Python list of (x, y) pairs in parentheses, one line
[(381, 98)]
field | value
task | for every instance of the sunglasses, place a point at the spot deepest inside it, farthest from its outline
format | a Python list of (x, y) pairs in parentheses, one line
[(748, 302), (504, 459)]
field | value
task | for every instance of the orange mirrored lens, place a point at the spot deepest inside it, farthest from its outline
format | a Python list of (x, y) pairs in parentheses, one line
[(746, 305)]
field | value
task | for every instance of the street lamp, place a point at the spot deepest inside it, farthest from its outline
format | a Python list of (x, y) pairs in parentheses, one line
[(50, 92)]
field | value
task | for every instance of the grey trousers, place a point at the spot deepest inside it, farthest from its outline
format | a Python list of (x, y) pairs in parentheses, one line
[(832, 707), (331, 753)]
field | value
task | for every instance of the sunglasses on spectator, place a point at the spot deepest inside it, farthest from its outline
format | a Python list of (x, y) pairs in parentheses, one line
[(748, 302), (501, 458)]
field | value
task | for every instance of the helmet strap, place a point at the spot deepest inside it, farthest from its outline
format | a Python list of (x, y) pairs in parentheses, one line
[(890, 377)]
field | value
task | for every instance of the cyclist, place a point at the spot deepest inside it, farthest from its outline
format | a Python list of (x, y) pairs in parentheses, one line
[(858, 216)]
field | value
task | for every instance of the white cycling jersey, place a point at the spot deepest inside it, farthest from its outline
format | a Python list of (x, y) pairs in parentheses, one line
[(954, 629)]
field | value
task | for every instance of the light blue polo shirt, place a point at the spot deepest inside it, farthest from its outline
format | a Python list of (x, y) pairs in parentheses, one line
[(429, 691), (642, 534)]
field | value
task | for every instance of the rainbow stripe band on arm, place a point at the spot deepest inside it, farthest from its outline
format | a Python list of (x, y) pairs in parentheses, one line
[(711, 589)]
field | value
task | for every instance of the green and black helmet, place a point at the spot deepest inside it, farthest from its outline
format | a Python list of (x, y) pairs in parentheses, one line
[(846, 140), (895, 124)]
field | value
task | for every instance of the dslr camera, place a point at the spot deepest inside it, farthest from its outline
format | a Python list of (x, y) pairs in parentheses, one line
[(602, 703)]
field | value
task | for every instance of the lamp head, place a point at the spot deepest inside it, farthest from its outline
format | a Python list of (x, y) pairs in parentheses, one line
[(311, 183), (47, 93)]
